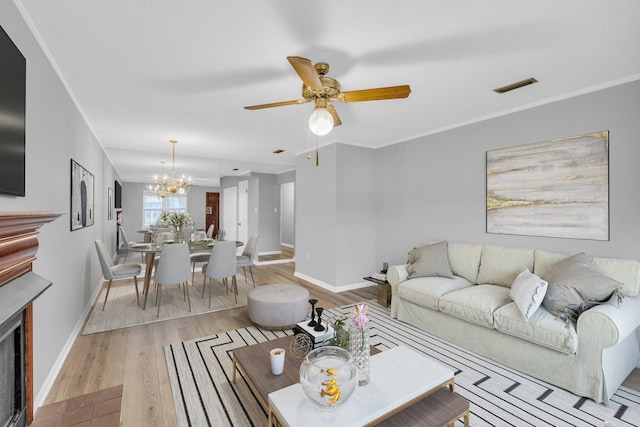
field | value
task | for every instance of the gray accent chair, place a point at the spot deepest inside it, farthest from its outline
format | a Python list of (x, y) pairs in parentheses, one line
[(173, 269), (112, 271), (248, 257), (221, 265)]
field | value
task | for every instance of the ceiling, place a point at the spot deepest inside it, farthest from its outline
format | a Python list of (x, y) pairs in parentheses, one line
[(146, 71)]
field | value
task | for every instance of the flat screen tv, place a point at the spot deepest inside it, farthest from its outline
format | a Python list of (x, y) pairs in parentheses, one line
[(13, 78), (118, 196)]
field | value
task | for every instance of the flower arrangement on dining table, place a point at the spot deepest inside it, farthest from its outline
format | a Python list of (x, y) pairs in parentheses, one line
[(179, 220), (164, 217)]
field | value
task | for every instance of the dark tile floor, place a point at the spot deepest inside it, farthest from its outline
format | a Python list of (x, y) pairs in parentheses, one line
[(99, 409)]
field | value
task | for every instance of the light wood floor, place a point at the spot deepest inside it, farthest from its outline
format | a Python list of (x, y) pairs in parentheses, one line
[(134, 356)]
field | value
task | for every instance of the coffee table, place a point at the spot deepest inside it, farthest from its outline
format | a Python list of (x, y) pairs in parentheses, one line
[(400, 377), (254, 362)]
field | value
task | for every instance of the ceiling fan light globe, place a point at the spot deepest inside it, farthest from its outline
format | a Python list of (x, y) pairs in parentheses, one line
[(321, 121)]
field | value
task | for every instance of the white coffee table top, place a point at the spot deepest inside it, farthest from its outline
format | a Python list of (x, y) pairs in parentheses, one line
[(398, 376)]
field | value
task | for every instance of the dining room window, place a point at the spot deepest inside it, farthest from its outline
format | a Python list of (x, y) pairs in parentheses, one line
[(154, 205)]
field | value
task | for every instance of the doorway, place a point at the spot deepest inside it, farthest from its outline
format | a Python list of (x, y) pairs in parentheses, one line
[(212, 214)]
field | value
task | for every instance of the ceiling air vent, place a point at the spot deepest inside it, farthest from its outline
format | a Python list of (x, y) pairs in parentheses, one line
[(516, 85)]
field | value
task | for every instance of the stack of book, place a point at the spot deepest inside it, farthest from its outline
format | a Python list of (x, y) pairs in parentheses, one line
[(317, 337)]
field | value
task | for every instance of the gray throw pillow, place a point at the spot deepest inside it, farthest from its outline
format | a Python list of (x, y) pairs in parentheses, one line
[(575, 286), (429, 261)]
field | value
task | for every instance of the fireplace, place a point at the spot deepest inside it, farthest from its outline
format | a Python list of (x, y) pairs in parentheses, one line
[(13, 403), (19, 286)]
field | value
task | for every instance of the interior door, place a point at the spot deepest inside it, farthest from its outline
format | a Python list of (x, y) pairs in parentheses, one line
[(243, 212), (230, 217), (212, 214)]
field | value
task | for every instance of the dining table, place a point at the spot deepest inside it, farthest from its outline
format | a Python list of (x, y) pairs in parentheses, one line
[(150, 250)]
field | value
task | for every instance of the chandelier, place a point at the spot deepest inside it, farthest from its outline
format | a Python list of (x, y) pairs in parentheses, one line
[(165, 187)]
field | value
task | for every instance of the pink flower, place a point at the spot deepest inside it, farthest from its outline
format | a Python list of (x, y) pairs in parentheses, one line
[(359, 315)]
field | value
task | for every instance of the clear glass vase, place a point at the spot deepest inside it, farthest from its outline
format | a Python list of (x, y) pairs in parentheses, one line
[(360, 351)]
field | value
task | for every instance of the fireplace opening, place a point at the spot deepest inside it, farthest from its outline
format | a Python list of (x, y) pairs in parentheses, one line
[(12, 372)]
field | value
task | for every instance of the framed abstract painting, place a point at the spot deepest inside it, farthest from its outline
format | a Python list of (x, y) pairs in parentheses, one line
[(556, 188)]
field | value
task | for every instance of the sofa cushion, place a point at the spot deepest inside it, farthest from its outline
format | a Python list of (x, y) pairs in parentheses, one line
[(430, 260), (625, 271), (475, 304), (575, 286), (464, 259), (543, 328), (528, 291), (500, 265), (426, 291)]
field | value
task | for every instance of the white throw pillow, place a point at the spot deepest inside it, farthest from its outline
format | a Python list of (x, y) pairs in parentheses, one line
[(528, 291)]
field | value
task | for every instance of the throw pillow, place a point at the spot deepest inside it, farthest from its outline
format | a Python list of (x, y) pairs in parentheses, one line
[(528, 291), (430, 260), (575, 286)]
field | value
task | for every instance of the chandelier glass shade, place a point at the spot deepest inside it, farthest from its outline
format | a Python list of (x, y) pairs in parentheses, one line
[(166, 187), (321, 121)]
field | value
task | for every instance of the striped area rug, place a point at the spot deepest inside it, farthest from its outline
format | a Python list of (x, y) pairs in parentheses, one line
[(200, 374)]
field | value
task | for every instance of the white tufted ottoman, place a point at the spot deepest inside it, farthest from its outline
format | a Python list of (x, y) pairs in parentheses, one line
[(278, 306)]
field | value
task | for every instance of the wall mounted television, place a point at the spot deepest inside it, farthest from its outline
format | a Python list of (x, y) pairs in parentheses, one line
[(118, 197), (13, 78)]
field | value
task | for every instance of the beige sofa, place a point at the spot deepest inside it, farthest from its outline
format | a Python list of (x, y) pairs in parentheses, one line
[(590, 357)]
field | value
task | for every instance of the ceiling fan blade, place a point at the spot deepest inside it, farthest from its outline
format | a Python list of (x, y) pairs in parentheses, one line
[(377, 94), (306, 71), (336, 119), (276, 104)]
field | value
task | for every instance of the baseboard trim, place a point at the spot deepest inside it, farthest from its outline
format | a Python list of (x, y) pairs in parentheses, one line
[(269, 253), (329, 287), (275, 261)]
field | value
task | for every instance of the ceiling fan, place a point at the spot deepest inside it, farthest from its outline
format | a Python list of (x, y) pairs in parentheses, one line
[(323, 90)]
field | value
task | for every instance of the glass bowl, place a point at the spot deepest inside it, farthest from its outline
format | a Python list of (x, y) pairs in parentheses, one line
[(328, 377)]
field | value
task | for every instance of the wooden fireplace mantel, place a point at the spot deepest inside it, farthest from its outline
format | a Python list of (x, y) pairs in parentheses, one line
[(18, 248)]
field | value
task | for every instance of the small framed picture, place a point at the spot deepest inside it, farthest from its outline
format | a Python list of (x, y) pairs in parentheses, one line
[(209, 210), (81, 197)]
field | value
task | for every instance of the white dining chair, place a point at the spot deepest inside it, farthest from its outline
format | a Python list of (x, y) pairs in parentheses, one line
[(173, 269), (248, 257), (197, 258), (128, 244), (112, 271), (210, 231), (222, 265)]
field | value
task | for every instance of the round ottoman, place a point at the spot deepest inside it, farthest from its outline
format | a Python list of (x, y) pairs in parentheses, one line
[(278, 306)]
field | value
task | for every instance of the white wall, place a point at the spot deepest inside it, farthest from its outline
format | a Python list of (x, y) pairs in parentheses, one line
[(287, 213), (269, 213), (335, 217), (435, 187), (57, 132)]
